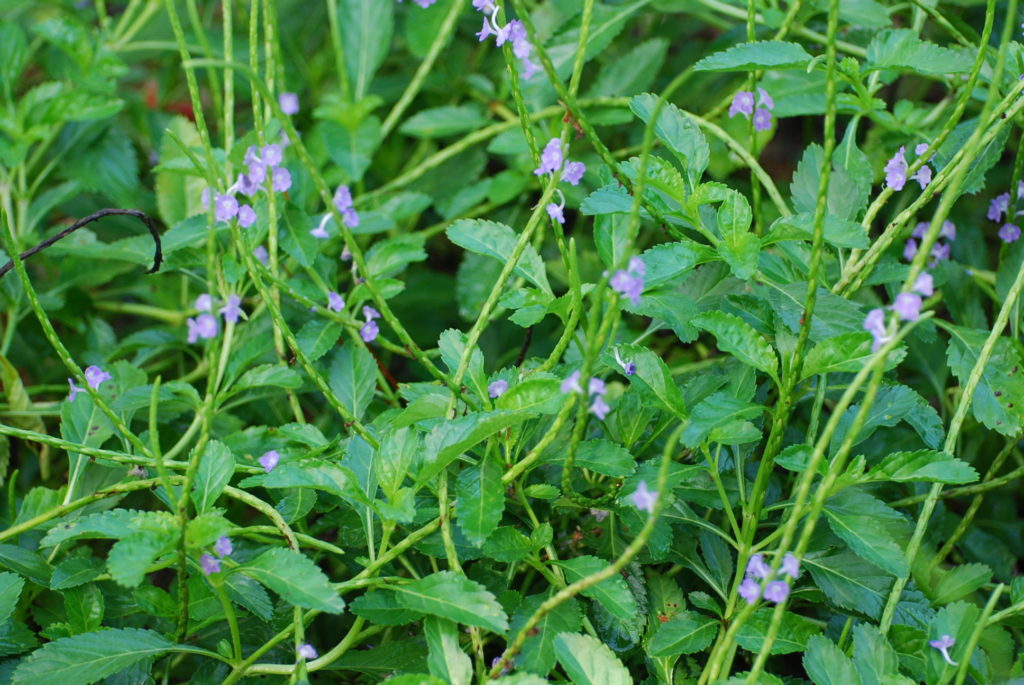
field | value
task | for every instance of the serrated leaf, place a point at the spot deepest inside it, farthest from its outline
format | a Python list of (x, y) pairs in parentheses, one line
[(295, 578), (902, 49), (451, 438), (793, 634), (84, 659), (826, 664), (382, 608), (268, 375), (11, 586), (961, 581), (737, 337), (317, 337), (498, 241), (764, 54), (533, 395), (613, 593), (998, 400), (931, 466), (686, 633), (589, 661), (214, 473), (480, 499), (678, 132), (654, 378), (844, 353), (446, 659), (353, 377), (456, 598), (861, 521)]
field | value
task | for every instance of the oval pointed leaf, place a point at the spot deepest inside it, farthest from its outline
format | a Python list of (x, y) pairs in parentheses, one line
[(456, 598), (737, 337), (296, 579), (763, 54)]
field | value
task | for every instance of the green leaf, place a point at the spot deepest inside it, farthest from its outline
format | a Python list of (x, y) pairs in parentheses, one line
[(111, 524), (960, 582), (480, 499), (838, 232), (844, 353), (351, 146), (11, 586), (605, 457), (353, 377), (366, 28), (84, 659), (13, 55), (930, 466), (848, 191), (451, 438), (75, 571), (633, 73), (317, 337), (864, 523), (873, 657), (382, 607), (446, 659), (902, 49), (826, 664), (317, 474), (538, 652), (717, 416), (498, 241), (998, 401), (613, 593), (764, 54), (794, 632), (685, 633), (268, 375), (737, 337), (893, 404), (678, 131), (507, 545), (84, 607), (447, 120), (654, 378), (588, 661), (957, 620), (296, 579), (456, 598), (214, 473), (534, 395), (452, 346)]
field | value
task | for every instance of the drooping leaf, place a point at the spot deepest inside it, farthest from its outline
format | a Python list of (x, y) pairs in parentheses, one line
[(686, 633), (86, 658), (296, 579), (589, 661), (865, 524), (480, 499), (214, 473), (454, 597), (613, 593), (498, 241), (678, 132), (764, 54), (446, 659), (737, 337)]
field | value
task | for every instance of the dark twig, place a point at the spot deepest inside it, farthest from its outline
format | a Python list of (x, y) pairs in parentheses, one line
[(158, 256), (525, 348)]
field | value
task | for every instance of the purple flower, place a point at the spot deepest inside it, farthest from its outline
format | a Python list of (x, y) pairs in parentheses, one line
[(643, 499), (750, 590), (261, 255), (342, 198), (248, 185), (350, 217), (940, 252), (910, 250), (204, 326), (231, 309), (210, 564), (1009, 233), (599, 407), (223, 546), (246, 216), (923, 176), (948, 230), (628, 367), (289, 103), (599, 514), (257, 174), (369, 313), (776, 591), (551, 158), (204, 303), (225, 207), (572, 383), (762, 120), (74, 390), (271, 154), (920, 230), (529, 68), (486, 30), (764, 99), (920, 149), (555, 212), (573, 172), (757, 568), (320, 230), (282, 180), (516, 31), (924, 284), (896, 170), (335, 302), (998, 205), (95, 376), (596, 386), (497, 388), (484, 5), (742, 103), (308, 651), (252, 157), (874, 323), (369, 331), (943, 644), (269, 460), (791, 565), (908, 306), (628, 284)]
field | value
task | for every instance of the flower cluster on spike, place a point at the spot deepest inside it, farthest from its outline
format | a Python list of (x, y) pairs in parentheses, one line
[(940, 250), (1009, 232), (896, 169), (595, 388), (743, 103), (369, 330), (629, 282), (906, 305), (513, 32), (260, 163), (94, 376), (222, 548), (774, 591), (205, 325), (343, 203)]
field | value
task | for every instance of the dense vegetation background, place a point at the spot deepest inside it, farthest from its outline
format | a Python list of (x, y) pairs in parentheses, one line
[(449, 341)]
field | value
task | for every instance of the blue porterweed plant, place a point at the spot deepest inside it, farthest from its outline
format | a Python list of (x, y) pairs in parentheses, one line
[(590, 341)]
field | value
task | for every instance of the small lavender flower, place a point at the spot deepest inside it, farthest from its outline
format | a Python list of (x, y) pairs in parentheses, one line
[(924, 284), (920, 149), (790, 566), (246, 216), (204, 303), (225, 207), (320, 230), (908, 306), (572, 383), (943, 644), (910, 250), (351, 217), (342, 198), (257, 174), (271, 154), (644, 499), (555, 212), (529, 68), (252, 157), (269, 460), (95, 376), (628, 367), (282, 180), (923, 176), (486, 31), (74, 390), (369, 331), (204, 326), (261, 255), (289, 103), (1009, 233), (223, 547), (874, 323), (308, 651), (742, 103), (231, 309), (764, 99), (599, 408), (920, 230), (762, 120), (486, 6), (750, 590), (998, 205), (335, 303), (599, 514), (776, 591), (896, 170), (210, 564), (596, 386), (630, 282), (369, 313), (757, 568), (248, 185), (551, 158), (573, 172), (948, 230), (497, 388)]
